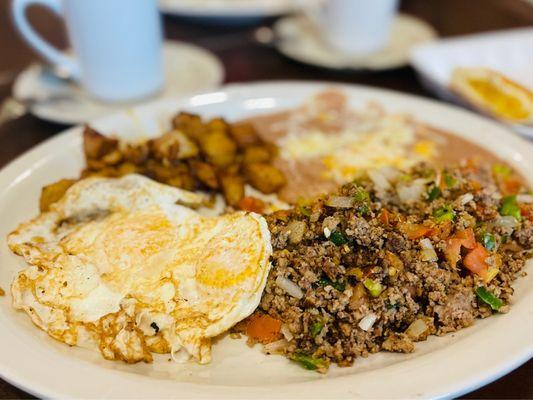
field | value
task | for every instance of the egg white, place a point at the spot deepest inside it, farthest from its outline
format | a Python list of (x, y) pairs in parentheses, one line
[(127, 266)]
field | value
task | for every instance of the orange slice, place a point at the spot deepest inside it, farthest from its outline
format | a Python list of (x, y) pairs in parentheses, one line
[(494, 93)]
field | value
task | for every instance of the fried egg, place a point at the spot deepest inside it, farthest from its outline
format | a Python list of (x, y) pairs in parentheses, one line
[(127, 266)]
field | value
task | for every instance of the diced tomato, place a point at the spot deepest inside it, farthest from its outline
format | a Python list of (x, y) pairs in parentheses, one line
[(463, 238), (263, 328), (415, 231), (384, 216), (510, 186), (467, 238), (526, 210), (475, 260), (252, 204)]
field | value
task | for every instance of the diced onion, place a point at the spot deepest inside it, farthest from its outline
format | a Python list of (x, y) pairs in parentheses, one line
[(275, 347), (390, 173), (340, 201), (411, 192), (287, 334), (368, 322), (416, 329), (428, 251), (289, 286), (379, 179), (506, 222), (465, 198), (296, 231), (524, 198)]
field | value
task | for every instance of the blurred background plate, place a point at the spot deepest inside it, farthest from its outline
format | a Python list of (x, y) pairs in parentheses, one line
[(188, 69), (299, 39), (508, 52)]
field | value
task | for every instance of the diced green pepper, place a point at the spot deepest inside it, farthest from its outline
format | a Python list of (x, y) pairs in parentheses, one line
[(501, 170), (362, 199), (305, 211), (489, 241), (433, 193), (444, 213), (373, 287), (510, 207), (488, 298), (449, 180), (338, 238), (315, 329), (308, 362), (339, 285), (362, 196)]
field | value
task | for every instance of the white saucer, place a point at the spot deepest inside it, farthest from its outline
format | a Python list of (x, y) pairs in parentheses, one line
[(188, 69), (299, 39), (227, 9)]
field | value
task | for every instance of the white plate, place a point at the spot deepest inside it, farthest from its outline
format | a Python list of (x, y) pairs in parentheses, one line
[(509, 52), (227, 8), (188, 69), (299, 39), (440, 367)]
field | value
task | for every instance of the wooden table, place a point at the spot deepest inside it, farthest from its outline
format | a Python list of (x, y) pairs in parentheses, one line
[(248, 61)]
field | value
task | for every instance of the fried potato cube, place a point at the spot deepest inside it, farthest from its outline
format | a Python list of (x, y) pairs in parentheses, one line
[(232, 188), (244, 134), (256, 153), (182, 181), (54, 192), (112, 158), (219, 149), (172, 146), (96, 145), (136, 154), (190, 124), (218, 125), (127, 168), (205, 173), (161, 172), (265, 177)]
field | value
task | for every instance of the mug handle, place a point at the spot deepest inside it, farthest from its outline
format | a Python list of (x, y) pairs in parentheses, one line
[(51, 54)]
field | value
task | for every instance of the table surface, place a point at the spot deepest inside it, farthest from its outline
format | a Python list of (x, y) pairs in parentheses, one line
[(248, 61)]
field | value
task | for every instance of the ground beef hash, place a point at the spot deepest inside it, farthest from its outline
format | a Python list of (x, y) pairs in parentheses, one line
[(369, 270)]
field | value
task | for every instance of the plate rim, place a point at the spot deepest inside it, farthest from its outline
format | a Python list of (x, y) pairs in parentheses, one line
[(240, 89)]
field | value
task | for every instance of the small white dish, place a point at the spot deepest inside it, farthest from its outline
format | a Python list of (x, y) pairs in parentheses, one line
[(509, 52), (441, 367), (187, 68), (298, 38), (227, 10)]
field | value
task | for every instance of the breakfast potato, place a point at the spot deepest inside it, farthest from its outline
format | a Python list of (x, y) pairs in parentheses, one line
[(256, 153), (96, 145), (162, 172), (218, 125), (173, 145), (265, 177), (54, 192), (219, 149), (232, 188), (205, 173), (182, 181), (190, 124), (136, 154), (244, 134)]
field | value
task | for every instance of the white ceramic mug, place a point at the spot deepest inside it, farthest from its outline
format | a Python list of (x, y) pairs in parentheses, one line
[(354, 26), (117, 45)]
